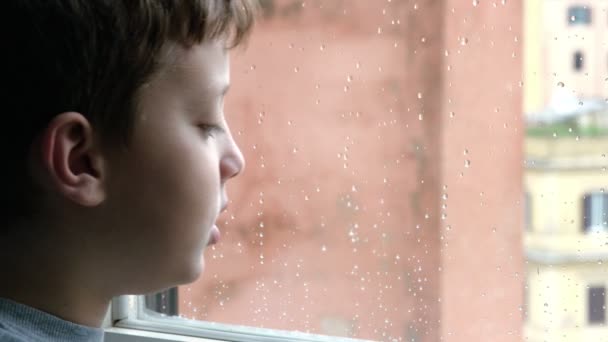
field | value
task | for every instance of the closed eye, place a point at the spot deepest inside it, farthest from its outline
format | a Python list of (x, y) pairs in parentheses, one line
[(210, 131)]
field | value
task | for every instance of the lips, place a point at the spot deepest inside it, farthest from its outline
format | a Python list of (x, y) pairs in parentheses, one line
[(214, 235), (214, 232)]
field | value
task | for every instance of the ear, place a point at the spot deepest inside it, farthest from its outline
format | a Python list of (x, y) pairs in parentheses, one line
[(72, 159)]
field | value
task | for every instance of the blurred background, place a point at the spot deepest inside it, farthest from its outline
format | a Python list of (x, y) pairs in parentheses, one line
[(416, 171)]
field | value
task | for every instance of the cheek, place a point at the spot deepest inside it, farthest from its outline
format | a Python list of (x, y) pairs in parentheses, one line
[(189, 181), (175, 188)]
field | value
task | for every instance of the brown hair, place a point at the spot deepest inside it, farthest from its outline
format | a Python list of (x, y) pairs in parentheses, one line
[(90, 56)]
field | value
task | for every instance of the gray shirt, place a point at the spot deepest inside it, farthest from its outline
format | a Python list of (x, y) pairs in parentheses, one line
[(21, 323)]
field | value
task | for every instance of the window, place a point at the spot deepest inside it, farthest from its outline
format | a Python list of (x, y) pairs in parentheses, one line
[(383, 179), (596, 305), (165, 302), (578, 61), (579, 15), (595, 206)]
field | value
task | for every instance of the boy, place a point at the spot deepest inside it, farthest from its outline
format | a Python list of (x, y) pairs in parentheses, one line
[(116, 152)]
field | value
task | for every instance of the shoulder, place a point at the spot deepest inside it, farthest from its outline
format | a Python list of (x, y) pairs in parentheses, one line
[(6, 336)]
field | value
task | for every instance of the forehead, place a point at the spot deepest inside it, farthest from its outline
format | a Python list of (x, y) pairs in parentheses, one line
[(202, 67)]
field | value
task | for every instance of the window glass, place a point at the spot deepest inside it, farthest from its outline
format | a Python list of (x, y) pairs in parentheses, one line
[(578, 61), (579, 15), (597, 305), (388, 146)]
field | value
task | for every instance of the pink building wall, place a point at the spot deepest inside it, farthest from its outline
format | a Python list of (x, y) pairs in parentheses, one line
[(342, 110)]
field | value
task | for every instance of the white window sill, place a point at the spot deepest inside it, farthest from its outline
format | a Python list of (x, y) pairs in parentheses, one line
[(133, 335), (133, 324)]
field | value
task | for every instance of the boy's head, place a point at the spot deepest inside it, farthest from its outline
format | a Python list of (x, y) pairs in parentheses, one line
[(115, 144)]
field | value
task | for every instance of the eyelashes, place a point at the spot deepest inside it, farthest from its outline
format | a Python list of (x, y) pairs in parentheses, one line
[(210, 131)]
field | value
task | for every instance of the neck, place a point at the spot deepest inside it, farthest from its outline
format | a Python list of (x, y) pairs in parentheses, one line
[(53, 281)]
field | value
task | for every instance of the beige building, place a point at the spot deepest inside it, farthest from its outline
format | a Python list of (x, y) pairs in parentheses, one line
[(566, 182), (566, 241), (565, 47)]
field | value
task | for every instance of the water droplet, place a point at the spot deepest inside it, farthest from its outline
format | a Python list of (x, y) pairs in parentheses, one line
[(349, 78), (420, 117), (419, 95), (560, 84), (322, 47), (475, 3), (253, 67), (452, 114), (465, 152), (296, 69), (464, 41), (467, 163)]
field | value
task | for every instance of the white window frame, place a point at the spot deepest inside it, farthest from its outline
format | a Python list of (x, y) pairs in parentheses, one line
[(129, 321)]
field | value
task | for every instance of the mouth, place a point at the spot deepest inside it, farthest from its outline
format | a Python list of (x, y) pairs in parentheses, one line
[(214, 235), (214, 232)]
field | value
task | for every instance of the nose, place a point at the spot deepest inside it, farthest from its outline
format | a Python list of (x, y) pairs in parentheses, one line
[(233, 162)]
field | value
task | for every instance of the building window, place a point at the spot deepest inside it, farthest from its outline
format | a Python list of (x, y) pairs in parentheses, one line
[(595, 206), (597, 305), (578, 61), (579, 15)]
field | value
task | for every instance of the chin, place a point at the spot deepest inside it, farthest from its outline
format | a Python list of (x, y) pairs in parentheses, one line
[(194, 271)]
